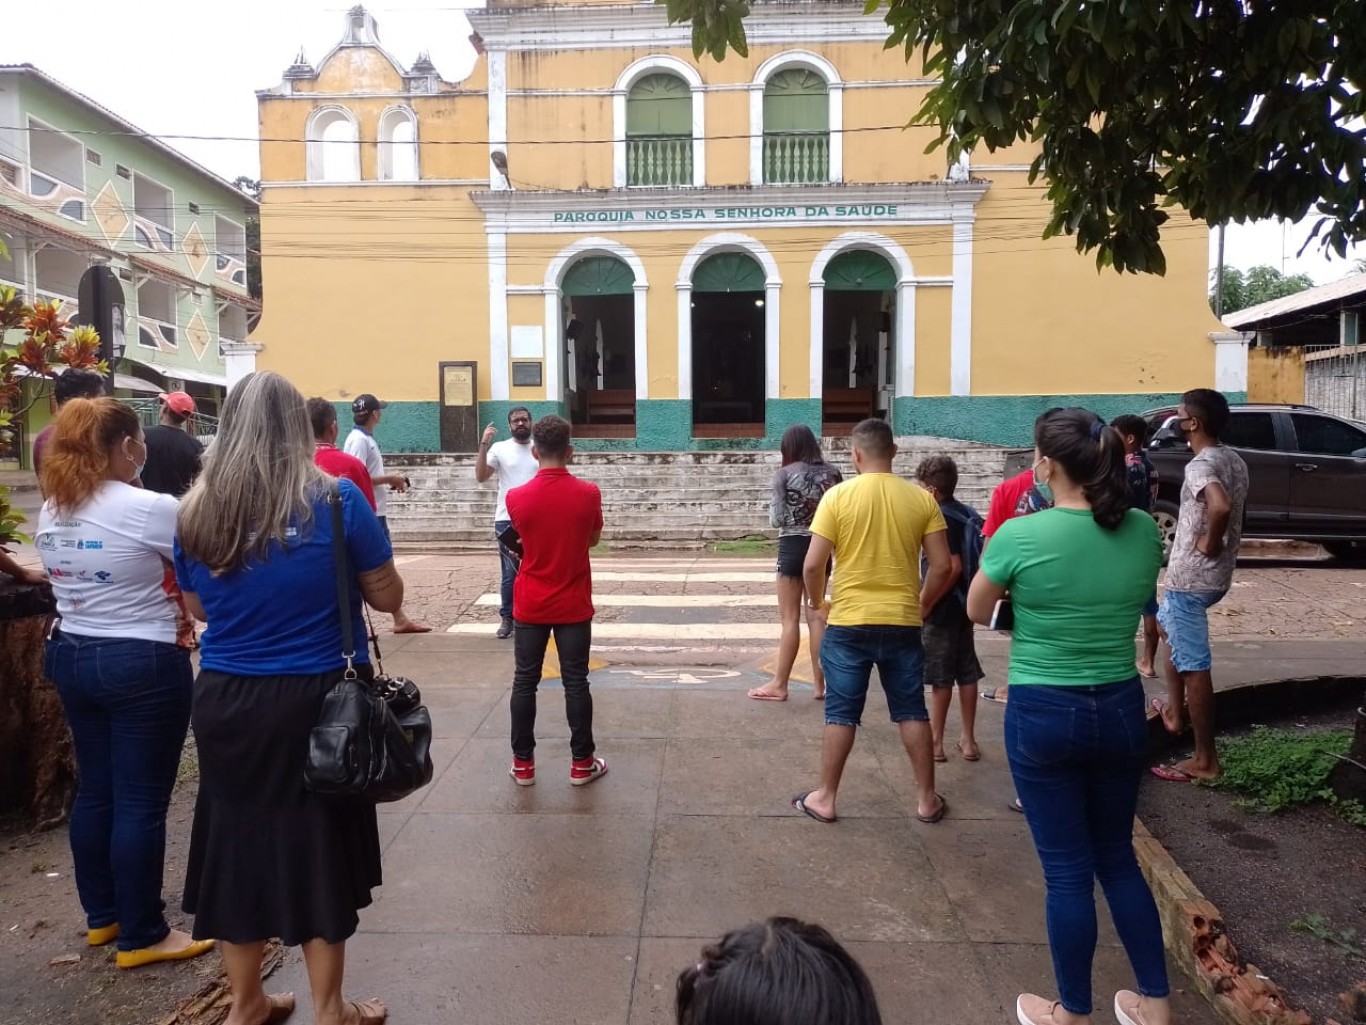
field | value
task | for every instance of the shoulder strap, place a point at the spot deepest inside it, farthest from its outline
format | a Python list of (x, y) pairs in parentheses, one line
[(343, 581)]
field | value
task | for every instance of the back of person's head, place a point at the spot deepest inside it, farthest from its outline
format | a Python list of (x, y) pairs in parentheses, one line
[(940, 473), (779, 972), (1131, 425), (873, 437), (1209, 407), (88, 436), (550, 437), (259, 479), (77, 384), (799, 445), (321, 415), (1091, 453)]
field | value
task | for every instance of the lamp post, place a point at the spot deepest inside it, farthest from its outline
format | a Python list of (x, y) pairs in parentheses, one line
[(101, 300)]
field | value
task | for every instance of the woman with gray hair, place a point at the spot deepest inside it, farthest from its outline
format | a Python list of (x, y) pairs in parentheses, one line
[(254, 557)]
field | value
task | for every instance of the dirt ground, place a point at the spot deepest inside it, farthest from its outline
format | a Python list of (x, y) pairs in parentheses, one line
[(41, 923), (1264, 872)]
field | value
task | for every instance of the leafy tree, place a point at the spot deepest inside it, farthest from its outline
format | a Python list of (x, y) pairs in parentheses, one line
[(1257, 285), (252, 188), (1232, 109)]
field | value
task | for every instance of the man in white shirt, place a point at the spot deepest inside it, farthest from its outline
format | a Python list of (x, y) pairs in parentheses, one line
[(514, 464), (366, 412)]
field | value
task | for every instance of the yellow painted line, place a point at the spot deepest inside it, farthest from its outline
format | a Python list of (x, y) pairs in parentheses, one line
[(666, 601), (550, 669), (801, 669)]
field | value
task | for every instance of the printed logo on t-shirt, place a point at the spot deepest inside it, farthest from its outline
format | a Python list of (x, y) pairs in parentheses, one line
[(89, 546), (47, 543)]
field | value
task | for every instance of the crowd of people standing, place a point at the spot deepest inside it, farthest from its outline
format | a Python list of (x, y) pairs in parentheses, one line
[(888, 574)]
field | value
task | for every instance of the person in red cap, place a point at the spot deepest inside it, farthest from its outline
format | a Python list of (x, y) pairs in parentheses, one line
[(174, 455)]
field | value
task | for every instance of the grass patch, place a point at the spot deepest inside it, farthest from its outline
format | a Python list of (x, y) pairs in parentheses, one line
[(1275, 769), (1345, 941), (758, 545)]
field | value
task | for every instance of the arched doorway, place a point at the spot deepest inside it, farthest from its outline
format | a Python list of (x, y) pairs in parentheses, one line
[(859, 317), (728, 339), (598, 298)]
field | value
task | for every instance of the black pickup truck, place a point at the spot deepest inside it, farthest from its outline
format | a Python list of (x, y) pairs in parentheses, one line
[(1306, 473)]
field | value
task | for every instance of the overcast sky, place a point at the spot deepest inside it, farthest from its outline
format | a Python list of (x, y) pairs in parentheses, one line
[(173, 67)]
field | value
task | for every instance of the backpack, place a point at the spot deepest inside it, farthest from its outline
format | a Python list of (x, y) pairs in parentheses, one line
[(968, 521)]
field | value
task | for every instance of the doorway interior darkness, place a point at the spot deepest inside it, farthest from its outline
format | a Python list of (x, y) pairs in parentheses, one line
[(859, 363), (728, 341), (600, 345)]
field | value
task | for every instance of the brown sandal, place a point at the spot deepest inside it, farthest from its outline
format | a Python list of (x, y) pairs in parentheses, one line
[(370, 1012)]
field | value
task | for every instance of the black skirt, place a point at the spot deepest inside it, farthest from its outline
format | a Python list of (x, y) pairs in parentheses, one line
[(267, 857)]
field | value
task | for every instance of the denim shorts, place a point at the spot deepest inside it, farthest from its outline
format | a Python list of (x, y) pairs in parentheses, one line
[(848, 655), (1184, 617)]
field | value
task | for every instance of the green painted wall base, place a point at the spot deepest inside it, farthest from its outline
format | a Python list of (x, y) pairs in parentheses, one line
[(665, 425)]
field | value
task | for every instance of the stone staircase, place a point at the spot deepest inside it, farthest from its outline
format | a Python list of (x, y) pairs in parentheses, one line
[(666, 498)]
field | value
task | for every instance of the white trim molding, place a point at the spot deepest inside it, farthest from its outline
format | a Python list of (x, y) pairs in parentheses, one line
[(554, 329), (730, 242), (498, 115), (620, 92), (835, 97), (315, 164), (905, 306), (960, 331), (1230, 359), (498, 317), (389, 121), (240, 360)]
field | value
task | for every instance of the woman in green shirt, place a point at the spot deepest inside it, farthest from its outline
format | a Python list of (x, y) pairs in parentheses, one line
[(1078, 576)]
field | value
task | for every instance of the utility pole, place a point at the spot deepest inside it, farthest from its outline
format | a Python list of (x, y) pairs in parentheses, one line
[(1219, 277)]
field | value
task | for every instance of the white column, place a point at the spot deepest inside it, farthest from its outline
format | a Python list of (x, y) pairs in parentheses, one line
[(699, 136), (960, 344), (619, 139), (498, 316), (756, 134), (642, 341), (498, 114), (240, 358), (817, 384), (685, 339), (1230, 360), (773, 297), (905, 339), (554, 346), (837, 133)]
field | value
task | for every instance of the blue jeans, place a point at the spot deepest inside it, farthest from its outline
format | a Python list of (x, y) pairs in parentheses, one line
[(848, 654), (1077, 755), (1184, 616), (128, 703), (508, 563)]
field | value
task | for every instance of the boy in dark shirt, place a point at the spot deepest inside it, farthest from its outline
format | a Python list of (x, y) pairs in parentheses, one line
[(173, 455), (1142, 476)]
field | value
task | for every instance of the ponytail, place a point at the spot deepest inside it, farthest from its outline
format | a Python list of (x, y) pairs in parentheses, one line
[(1107, 489), (1092, 454), (76, 461)]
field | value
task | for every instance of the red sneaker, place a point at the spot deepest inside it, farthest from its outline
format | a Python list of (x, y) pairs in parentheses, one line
[(523, 771), (584, 772)]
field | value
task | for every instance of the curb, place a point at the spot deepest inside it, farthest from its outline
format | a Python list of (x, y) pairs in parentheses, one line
[(1198, 941)]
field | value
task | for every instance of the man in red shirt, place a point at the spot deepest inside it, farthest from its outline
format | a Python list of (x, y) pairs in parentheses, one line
[(558, 519), (330, 459)]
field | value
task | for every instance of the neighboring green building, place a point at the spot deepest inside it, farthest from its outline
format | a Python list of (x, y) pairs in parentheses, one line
[(79, 186)]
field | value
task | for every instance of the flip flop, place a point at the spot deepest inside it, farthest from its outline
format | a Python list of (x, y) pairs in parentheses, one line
[(990, 694), (967, 757), (941, 758), (281, 1007), (1148, 676), (937, 816), (1015, 805), (799, 802), (757, 694), (1171, 774), (413, 628), (370, 1012)]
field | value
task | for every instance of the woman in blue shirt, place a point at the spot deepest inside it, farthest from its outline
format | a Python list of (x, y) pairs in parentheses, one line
[(254, 558)]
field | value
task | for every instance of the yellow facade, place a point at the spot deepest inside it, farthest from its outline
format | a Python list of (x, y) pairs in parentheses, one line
[(861, 269)]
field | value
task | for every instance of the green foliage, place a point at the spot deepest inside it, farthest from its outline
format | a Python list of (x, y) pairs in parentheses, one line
[(1276, 769), (1347, 941), (1257, 285), (252, 188), (1233, 110), (11, 519)]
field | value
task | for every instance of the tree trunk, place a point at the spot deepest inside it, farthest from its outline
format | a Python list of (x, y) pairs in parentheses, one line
[(37, 765), (1348, 778)]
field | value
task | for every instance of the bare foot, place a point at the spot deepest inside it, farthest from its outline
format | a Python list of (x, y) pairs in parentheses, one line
[(939, 755), (175, 940), (768, 693), (1200, 770), (819, 806), (364, 1012), (968, 748), (1171, 717), (407, 626), (270, 1011), (1145, 670)]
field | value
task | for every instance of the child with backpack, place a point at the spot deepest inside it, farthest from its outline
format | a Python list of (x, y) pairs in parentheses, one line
[(947, 634)]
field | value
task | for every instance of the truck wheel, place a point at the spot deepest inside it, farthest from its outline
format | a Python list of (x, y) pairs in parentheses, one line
[(1166, 513)]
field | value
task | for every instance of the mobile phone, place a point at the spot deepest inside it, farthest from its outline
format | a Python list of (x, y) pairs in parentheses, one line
[(1003, 616), (511, 540)]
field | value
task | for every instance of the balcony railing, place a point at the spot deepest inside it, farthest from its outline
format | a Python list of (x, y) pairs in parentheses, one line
[(151, 235), (796, 158), (659, 160)]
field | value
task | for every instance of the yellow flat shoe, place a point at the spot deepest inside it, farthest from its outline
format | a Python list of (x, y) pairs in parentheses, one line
[(99, 937), (146, 956)]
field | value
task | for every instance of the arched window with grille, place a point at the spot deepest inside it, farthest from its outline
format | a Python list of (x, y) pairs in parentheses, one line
[(796, 127), (659, 139)]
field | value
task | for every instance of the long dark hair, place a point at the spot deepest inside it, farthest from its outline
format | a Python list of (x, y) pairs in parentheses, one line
[(1092, 454), (799, 445), (779, 972)]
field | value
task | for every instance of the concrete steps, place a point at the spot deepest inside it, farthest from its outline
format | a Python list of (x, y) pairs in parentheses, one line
[(669, 498)]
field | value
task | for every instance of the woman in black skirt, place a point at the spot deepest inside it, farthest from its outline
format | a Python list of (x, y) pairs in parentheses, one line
[(254, 558)]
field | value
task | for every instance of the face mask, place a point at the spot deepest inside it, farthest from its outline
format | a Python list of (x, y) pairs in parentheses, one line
[(1044, 489), (137, 466)]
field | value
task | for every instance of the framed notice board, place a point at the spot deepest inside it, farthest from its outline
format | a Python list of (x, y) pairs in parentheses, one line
[(459, 385)]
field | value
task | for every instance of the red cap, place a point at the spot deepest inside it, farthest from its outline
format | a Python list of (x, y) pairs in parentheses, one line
[(178, 403)]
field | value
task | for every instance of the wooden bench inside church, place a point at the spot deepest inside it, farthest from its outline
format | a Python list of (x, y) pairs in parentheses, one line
[(611, 405), (846, 405)]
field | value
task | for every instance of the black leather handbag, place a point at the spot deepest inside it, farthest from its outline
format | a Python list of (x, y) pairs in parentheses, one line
[(373, 739)]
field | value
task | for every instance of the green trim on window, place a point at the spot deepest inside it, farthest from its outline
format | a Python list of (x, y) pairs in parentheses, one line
[(860, 270), (657, 105), (728, 272), (598, 275), (796, 100)]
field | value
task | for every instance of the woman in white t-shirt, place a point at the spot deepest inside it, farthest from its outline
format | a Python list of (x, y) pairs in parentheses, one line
[(120, 657)]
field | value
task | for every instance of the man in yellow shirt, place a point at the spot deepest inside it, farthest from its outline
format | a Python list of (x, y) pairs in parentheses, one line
[(876, 526)]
